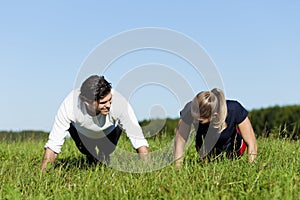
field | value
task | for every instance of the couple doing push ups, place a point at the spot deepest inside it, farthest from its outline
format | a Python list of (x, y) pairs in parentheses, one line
[(95, 115)]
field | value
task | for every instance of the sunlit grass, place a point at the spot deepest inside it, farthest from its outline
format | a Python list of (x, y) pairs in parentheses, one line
[(274, 176)]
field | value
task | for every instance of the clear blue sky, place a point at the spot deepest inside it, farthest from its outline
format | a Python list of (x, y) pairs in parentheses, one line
[(254, 44)]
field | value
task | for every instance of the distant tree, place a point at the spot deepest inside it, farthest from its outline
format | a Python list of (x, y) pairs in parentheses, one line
[(277, 121), (13, 136)]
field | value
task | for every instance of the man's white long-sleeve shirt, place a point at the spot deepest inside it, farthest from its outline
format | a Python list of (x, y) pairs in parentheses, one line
[(73, 110)]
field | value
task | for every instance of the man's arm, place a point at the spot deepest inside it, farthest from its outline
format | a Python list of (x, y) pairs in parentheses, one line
[(122, 110), (182, 133), (249, 137), (49, 157), (59, 131), (143, 152)]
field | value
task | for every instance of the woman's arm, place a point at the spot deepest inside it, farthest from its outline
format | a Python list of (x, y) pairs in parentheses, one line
[(249, 137), (182, 133)]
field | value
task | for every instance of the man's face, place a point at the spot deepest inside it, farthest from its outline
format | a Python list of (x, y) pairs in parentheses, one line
[(99, 107)]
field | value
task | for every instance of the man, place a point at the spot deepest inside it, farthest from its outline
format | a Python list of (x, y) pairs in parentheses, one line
[(94, 115)]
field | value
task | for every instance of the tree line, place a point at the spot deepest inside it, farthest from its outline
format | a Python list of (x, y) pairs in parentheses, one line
[(275, 122), (16, 136)]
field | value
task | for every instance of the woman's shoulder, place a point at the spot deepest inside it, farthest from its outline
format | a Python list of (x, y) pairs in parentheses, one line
[(234, 105), (236, 109)]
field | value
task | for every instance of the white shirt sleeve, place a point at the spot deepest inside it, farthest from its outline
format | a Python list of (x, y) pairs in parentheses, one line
[(128, 121), (61, 124)]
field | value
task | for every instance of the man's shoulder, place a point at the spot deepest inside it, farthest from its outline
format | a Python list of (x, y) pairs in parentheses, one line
[(75, 91), (118, 98), (120, 105), (116, 93), (72, 96)]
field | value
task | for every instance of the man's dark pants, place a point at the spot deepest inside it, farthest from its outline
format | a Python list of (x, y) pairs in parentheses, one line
[(96, 149)]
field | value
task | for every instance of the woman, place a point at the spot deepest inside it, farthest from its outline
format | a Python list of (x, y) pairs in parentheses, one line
[(222, 126)]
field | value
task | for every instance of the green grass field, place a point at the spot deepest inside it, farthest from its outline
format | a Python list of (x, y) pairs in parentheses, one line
[(276, 175)]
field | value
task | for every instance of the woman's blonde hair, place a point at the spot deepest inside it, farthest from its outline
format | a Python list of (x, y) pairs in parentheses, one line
[(211, 105)]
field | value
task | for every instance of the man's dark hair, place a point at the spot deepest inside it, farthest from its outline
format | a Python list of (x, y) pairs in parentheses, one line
[(94, 88)]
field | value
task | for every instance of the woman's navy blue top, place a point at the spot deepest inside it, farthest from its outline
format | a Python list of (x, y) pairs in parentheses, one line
[(224, 141)]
